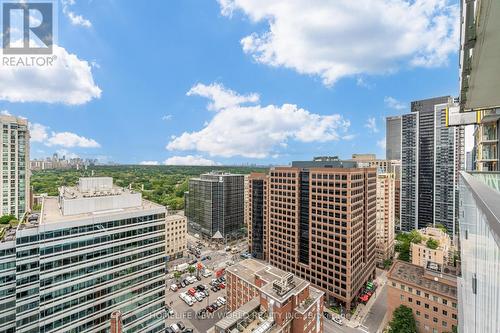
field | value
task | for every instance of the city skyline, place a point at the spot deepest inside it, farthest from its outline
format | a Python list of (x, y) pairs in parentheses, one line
[(205, 73)]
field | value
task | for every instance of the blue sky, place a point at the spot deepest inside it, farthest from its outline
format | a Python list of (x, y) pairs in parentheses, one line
[(232, 81)]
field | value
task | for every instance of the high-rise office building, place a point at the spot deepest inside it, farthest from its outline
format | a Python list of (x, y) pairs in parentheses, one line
[(14, 173), (431, 157), (93, 250), (385, 217), (215, 205), (321, 224), (393, 138), (257, 216)]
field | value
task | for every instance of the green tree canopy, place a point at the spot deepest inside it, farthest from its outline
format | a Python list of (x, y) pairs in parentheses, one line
[(6, 219), (402, 321), (432, 243)]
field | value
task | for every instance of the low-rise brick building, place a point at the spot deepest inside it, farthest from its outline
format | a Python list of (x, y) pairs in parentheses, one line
[(432, 296), (271, 298)]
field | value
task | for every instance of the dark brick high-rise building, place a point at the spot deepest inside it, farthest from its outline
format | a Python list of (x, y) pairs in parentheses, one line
[(321, 224)]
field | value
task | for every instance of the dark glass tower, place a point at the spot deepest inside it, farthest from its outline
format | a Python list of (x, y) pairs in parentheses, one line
[(215, 203)]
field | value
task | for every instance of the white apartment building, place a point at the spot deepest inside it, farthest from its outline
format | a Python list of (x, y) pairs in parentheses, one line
[(14, 173), (175, 236), (93, 250)]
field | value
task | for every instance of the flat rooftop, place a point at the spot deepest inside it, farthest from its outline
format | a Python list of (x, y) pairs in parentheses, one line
[(417, 276), (249, 268), (51, 212)]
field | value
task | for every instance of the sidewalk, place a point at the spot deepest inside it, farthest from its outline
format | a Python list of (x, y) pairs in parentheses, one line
[(358, 317)]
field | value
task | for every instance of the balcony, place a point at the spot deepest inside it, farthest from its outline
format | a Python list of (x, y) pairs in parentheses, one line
[(480, 50), (479, 284)]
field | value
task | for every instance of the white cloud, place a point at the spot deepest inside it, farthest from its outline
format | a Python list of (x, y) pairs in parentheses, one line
[(393, 103), (69, 80), (220, 96), (5, 113), (167, 117), (339, 38), (149, 163), (256, 131), (381, 143), (371, 124), (67, 154), (68, 140), (189, 160), (40, 133), (74, 19), (361, 82)]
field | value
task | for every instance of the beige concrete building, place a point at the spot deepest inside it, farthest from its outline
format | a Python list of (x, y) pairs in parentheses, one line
[(263, 298), (385, 217), (432, 296), (423, 255), (385, 166), (14, 170), (175, 236)]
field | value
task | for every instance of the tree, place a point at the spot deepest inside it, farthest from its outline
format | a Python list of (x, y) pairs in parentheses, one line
[(415, 237), (6, 219), (402, 321), (177, 275), (441, 227), (432, 243), (191, 269)]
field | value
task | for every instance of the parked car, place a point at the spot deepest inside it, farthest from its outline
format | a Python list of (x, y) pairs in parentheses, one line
[(210, 309), (222, 300), (206, 293), (222, 286), (199, 296), (327, 315), (207, 273), (174, 287), (169, 330), (191, 291), (337, 320), (183, 284), (181, 325), (175, 328), (188, 330)]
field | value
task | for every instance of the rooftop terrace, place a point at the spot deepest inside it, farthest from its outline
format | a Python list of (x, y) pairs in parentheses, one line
[(418, 277)]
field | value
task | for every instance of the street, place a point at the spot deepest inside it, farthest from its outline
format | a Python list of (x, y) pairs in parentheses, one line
[(377, 312)]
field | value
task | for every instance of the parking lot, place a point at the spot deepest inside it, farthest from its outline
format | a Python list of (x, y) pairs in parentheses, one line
[(187, 314)]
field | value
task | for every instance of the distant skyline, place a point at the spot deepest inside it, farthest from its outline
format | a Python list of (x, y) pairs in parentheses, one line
[(231, 81)]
